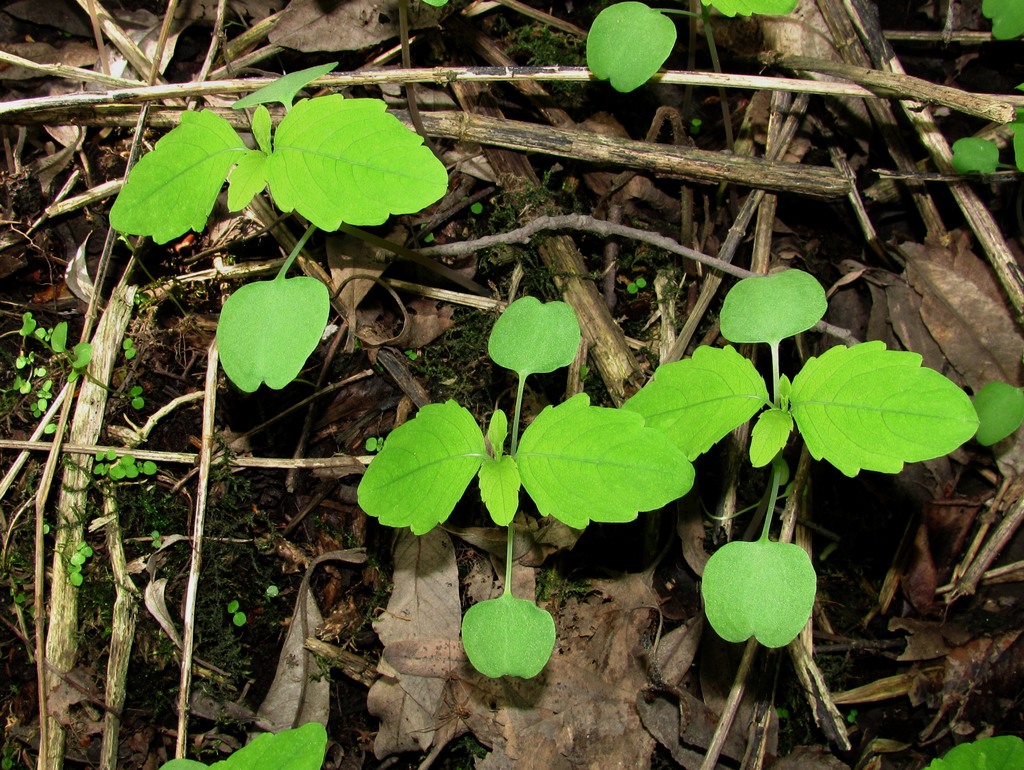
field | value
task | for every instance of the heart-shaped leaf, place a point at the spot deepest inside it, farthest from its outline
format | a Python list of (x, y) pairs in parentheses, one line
[(285, 88), (1000, 409), (172, 189), (1007, 18), (747, 7), (267, 330), (769, 436), (424, 468), (1002, 752), (508, 637), (347, 160), (769, 308), (698, 401), (760, 589), (627, 44), (532, 337), (974, 155), (583, 463), (869, 408)]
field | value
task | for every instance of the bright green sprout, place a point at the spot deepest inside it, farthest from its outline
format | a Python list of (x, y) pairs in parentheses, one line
[(301, 748), (237, 616), (128, 346)]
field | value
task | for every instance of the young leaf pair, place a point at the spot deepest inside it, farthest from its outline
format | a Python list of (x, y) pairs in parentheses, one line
[(579, 463), (860, 408), (331, 160)]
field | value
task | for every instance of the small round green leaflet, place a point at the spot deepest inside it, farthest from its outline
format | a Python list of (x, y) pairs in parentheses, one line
[(1000, 409), (974, 155), (769, 308), (508, 637), (1007, 18), (1003, 752), (268, 329), (424, 468), (628, 43), (532, 337), (301, 748), (747, 7), (761, 589)]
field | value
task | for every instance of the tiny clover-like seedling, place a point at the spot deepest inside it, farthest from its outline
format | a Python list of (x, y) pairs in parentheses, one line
[(579, 463), (237, 616), (331, 160), (1000, 408), (1003, 752), (1007, 18), (860, 408), (301, 748), (77, 561)]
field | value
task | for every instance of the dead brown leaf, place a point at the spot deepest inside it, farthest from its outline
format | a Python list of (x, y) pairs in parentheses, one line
[(331, 25), (965, 311)]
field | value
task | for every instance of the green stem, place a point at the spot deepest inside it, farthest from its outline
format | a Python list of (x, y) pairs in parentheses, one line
[(717, 66), (508, 559), (295, 252), (773, 497), (515, 420), (775, 375)]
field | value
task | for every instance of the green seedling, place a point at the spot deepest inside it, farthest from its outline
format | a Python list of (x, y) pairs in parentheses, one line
[(477, 208), (860, 408), (119, 468), (1007, 18), (974, 155), (634, 287), (1000, 409), (130, 351), (301, 748), (412, 355), (135, 394), (32, 377), (272, 592), (157, 538), (332, 160), (78, 559), (374, 444), (629, 42), (1004, 752), (579, 463), (237, 616)]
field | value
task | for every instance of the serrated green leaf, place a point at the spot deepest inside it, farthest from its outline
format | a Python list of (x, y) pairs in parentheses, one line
[(769, 308), (975, 155), (267, 330), (747, 7), (347, 160), (172, 189), (285, 88), (261, 129), (769, 436), (247, 179), (499, 489), (532, 337), (760, 589), (1000, 409), (424, 468), (1007, 18), (1002, 752), (698, 401), (868, 408), (628, 43), (583, 463), (497, 431), (508, 637)]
